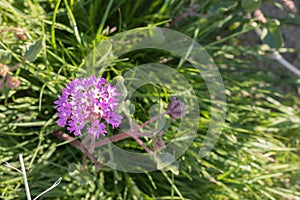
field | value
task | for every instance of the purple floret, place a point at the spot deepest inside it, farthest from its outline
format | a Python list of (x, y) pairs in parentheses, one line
[(88, 102)]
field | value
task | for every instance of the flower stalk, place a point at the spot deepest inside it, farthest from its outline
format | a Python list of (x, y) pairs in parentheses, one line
[(90, 104)]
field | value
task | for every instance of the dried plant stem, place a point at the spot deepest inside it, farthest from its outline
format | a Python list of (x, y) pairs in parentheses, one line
[(23, 172), (24, 177), (278, 57), (56, 183)]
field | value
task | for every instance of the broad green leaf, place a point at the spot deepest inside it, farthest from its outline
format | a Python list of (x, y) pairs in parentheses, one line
[(5, 57), (34, 49), (251, 5), (272, 35)]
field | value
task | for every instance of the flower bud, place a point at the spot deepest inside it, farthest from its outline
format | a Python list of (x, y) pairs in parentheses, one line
[(20, 36), (176, 108)]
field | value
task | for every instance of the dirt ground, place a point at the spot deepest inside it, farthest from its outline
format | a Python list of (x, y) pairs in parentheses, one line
[(290, 33)]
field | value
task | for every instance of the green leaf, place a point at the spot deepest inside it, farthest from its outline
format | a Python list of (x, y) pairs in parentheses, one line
[(251, 5), (34, 49), (272, 35), (125, 105), (128, 108), (5, 57), (118, 81), (166, 161)]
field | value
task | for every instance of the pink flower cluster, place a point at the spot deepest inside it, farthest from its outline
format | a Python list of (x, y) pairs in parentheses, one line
[(87, 103), (7, 80)]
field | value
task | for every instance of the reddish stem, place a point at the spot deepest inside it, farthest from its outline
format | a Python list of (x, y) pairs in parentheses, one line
[(9, 29), (17, 65), (150, 121), (79, 146), (134, 134), (142, 144), (114, 138)]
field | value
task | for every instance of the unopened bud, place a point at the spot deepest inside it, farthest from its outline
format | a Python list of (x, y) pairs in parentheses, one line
[(176, 108), (20, 36)]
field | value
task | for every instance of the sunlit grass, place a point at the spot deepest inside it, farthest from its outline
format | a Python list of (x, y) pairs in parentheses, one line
[(255, 157)]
